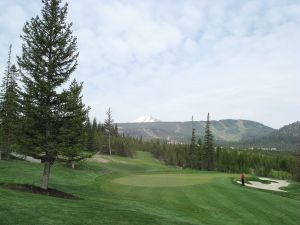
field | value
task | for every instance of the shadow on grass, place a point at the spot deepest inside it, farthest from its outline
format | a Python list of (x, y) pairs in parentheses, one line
[(37, 190)]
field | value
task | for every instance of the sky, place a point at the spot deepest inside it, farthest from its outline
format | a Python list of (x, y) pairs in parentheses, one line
[(176, 58)]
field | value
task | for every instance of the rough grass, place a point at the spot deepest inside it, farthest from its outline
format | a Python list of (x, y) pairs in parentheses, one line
[(217, 201)]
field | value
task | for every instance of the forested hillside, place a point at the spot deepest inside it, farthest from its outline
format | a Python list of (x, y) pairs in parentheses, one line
[(223, 130), (286, 138)]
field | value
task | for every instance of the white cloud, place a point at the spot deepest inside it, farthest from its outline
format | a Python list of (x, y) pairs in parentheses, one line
[(173, 59)]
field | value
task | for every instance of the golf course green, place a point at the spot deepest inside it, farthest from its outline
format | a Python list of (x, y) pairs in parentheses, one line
[(140, 190), (167, 180)]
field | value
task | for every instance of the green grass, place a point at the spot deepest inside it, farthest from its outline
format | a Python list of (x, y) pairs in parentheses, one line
[(140, 191), (167, 179)]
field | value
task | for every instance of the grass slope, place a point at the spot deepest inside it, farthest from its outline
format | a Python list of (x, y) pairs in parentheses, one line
[(213, 199)]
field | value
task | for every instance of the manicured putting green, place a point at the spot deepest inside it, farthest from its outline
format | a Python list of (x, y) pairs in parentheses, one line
[(165, 180)]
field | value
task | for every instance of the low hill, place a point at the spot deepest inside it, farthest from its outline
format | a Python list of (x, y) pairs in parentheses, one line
[(223, 130)]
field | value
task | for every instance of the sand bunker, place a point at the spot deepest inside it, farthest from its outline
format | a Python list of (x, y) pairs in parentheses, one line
[(275, 185)]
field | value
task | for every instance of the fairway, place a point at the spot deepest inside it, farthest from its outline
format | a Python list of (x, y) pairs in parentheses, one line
[(166, 180), (140, 190)]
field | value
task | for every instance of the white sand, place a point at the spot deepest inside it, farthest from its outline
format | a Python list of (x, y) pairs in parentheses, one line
[(275, 185)]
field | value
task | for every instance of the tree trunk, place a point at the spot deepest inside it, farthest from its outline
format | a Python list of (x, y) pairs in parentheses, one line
[(109, 144), (0, 155), (73, 164), (46, 175)]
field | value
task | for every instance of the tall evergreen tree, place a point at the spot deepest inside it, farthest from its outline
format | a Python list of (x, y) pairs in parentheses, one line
[(109, 127), (49, 57), (9, 109), (73, 129), (193, 148), (3, 103), (218, 158), (90, 139), (298, 164), (199, 154), (99, 127), (94, 125), (208, 151), (116, 130), (92, 133)]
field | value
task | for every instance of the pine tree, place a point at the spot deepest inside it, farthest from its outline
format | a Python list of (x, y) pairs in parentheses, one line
[(49, 57), (208, 151), (3, 104), (218, 158), (108, 125), (73, 129), (193, 148), (199, 153), (9, 109), (90, 139), (99, 127), (96, 136), (116, 130), (94, 125), (298, 165)]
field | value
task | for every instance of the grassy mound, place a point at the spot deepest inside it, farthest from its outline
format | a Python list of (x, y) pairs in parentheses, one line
[(213, 199), (167, 180)]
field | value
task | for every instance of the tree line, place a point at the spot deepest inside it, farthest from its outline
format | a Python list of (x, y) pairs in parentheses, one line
[(277, 164)]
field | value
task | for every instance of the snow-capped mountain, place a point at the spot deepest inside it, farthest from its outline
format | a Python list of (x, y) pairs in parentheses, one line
[(145, 119)]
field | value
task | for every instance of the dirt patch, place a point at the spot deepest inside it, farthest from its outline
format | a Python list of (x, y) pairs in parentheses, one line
[(37, 190)]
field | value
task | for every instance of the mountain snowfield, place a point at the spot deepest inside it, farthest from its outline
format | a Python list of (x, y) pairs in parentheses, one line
[(145, 119)]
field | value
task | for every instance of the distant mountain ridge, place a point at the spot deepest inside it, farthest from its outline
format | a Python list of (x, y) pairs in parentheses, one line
[(291, 131), (287, 137), (223, 130)]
